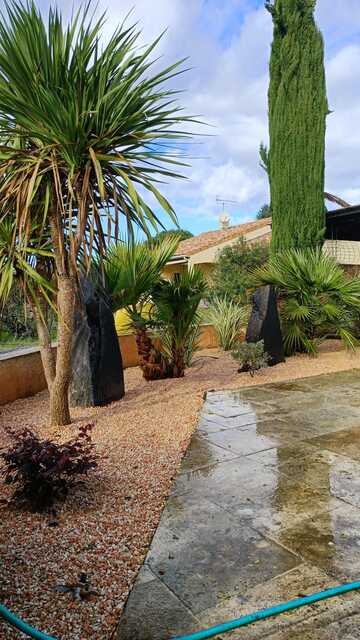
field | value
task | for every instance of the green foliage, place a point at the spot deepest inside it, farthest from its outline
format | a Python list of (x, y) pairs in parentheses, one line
[(297, 113), (132, 270), (251, 356), (25, 263), (180, 234), (176, 305), (264, 212), (264, 157), (317, 299), (229, 319), (16, 319), (165, 334), (89, 126), (94, 117), (231, 277)]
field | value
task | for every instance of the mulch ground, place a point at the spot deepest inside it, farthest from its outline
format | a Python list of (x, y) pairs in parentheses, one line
[(105, 527)]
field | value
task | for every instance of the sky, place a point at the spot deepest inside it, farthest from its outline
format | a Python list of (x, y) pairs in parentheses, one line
[(228, 46)]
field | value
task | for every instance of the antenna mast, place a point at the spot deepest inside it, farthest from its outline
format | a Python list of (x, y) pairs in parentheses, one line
[(224, 218), (223, 202)]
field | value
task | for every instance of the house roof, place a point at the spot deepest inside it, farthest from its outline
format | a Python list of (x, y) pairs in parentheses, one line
[(211, 238)]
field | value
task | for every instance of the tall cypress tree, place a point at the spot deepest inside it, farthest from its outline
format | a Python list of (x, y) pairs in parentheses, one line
[(297, 113)]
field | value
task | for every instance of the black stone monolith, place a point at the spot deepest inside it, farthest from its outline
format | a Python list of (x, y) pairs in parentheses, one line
[(97, 371), (264, 324)]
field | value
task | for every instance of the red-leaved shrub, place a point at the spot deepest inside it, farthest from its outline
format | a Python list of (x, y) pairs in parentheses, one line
[(44, 470)]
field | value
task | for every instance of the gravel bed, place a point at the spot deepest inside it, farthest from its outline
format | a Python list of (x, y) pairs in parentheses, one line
[(106, 526)]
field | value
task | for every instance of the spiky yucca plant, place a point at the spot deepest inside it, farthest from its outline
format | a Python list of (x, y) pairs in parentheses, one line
[(86, 129), (317, 299), (131, 272)]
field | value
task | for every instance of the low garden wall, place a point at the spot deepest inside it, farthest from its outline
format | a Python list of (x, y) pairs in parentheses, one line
[(22, 375)]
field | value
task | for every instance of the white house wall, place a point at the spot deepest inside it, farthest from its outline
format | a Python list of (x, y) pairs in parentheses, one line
[(345, 252)]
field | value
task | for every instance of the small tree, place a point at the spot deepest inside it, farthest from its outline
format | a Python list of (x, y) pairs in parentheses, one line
[(176, 305), (181, 234), (251, 356), (231, 276), (132, 270), (82, 132), (264, 212)]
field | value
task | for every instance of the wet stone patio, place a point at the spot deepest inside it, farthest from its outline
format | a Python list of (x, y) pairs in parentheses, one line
[(266, 507)]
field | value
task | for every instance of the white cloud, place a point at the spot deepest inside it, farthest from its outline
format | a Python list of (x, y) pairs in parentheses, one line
[(228, 42)]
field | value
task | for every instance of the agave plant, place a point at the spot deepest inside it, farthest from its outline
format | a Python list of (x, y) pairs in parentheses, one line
[(228, 318), (317, 299), (131, 272), (86, 129), (176, 305)]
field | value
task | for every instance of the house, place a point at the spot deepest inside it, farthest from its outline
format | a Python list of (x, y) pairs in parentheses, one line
[(342, 241), (343, 237), (203, 250)]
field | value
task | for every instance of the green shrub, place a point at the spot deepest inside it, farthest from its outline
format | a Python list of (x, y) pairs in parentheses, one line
[(251, 356), (176, 317), (317, 299), (232, 274), (16, 318), (228, 319), (191, 343)]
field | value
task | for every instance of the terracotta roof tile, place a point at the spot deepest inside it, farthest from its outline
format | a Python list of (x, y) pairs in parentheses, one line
[(211, 238)]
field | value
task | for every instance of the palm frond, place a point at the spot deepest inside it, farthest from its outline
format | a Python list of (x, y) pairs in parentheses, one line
[(176, 304), (132, 269), (83, 126)]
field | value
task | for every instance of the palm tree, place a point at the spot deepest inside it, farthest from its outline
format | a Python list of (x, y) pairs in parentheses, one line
[(176, 303), (131, 272), (86, 130), (317, 299)]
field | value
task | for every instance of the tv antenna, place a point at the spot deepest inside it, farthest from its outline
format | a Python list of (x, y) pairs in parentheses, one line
[(224, 201), (224, 217)]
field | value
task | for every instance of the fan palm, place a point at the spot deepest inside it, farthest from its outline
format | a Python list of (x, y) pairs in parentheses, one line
[(131, 272), (176, 305), (85, 129), (317, 298)]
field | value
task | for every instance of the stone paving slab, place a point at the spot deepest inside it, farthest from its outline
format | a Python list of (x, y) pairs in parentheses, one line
[(233, 558), (266, 507), (303, 580)]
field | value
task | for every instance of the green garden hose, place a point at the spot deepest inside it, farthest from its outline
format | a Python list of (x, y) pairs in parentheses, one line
[(269, 613), (14, 621), (31, 632)]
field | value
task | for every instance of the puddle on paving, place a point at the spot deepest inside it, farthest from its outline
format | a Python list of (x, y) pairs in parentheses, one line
[(288, 475)]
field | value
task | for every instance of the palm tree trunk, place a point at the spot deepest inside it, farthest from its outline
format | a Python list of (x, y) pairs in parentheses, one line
[(178, 363), (46, 350), (152, 362), (59, 401)]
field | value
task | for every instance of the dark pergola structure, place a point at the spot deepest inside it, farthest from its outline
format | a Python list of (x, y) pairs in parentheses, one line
[(343, 224)]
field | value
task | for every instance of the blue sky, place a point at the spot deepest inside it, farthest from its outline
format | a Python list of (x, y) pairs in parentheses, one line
[(228, 43)]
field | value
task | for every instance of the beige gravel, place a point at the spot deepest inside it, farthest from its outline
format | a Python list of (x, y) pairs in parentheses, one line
[(106, 527)]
